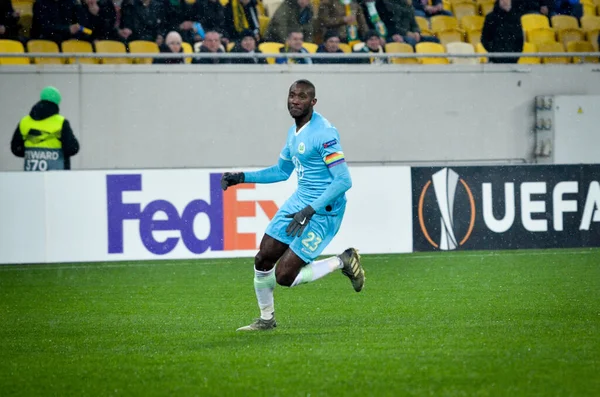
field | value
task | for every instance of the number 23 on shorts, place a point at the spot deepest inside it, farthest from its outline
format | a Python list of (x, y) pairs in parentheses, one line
[(311, 241)]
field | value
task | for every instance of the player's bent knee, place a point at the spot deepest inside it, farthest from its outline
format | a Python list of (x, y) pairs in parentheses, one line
[(284, 277), (262, 262)]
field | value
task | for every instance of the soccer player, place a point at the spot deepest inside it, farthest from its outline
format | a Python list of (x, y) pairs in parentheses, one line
[(311, 217)]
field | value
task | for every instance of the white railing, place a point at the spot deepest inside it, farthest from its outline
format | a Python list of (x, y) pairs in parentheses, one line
[(352, 56)]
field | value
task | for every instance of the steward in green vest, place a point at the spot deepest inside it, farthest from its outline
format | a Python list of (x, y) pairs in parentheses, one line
[(44, 137)]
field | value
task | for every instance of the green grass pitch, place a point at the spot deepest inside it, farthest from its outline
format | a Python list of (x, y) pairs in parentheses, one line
[(513, 323)]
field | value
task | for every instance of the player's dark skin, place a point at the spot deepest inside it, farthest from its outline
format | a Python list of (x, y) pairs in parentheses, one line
[(301, 100)]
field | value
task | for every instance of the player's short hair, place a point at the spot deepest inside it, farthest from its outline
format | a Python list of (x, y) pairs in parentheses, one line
[(308, 84)]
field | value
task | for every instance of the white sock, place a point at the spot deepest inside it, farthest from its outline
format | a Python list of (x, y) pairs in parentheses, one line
[(315, 270), (264, 284)]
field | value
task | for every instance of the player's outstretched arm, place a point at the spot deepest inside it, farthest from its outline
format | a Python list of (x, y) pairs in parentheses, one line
[(277, 173)]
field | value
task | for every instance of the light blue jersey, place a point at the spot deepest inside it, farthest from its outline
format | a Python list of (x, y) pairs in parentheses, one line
[(313, 150), (316, 154)]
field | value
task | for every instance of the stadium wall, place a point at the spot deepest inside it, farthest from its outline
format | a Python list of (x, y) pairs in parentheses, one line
[(190, 116)]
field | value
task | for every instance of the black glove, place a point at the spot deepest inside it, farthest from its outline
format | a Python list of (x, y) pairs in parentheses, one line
[(231, 178), (299, 221)]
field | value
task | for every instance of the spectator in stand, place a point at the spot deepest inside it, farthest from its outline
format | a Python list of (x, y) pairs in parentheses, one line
[(331, 45), (403, 26), (544, 7), (172, 45), (56, 20), (212, 17), (247, 45), (502, 31), (293, 44), (345, 16), (100, 17), (291, 15), (373, 43), (426, 10), (142, 20), (211, 44), (9, 21), (242, 15), (184, 18)]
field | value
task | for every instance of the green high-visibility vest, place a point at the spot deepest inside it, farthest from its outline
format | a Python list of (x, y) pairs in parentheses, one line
[(43, 147)]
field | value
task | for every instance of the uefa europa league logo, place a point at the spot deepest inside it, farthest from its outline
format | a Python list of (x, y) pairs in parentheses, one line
[(444, 186), (445, 183)]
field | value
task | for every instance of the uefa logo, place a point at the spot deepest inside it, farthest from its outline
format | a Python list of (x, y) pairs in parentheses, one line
[(451, 227)]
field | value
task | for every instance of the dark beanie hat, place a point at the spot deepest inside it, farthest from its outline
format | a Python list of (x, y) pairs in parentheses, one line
[(370, 34), (247, 33), (329, 34)]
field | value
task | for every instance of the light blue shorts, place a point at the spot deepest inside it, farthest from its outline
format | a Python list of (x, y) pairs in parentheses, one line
[(319, 232)]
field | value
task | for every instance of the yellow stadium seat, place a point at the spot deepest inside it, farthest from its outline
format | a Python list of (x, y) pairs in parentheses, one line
[(401, 48), (423, 23), (46, 46), (592, 36), (270, 47), (486, 7), (589, 10), (474, 37), (582, 46), (560, 22), (567, 35), (345, 47), (450, 36), (529, 48), (534, 21), (431, 48), (263, 22), (187, 49), (590, 23), (77, 46), (447, 5), (143, 47), (552, 47), (472, 22), (424, 26), (461, 48), (461, 10), (541, 35), (230, 46), (112, 47), (480, 49), (310, 47), (443, 22), (13, 47)]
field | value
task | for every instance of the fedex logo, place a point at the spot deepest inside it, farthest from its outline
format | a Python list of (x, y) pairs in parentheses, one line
[(222, 209)]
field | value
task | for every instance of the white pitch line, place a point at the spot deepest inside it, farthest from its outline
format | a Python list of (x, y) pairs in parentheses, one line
[(204, 262)]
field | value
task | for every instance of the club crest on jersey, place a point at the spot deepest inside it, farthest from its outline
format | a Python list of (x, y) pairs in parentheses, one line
[(301, 148), (330, 143)]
